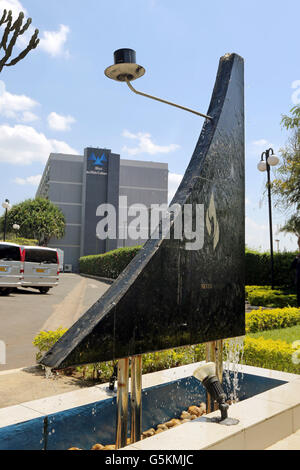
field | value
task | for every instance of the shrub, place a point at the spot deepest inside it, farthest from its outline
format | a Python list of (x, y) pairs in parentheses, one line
[(271, 298), (260, 320), (22, 241), (109, 264), (270, 354), (250, 289), (45, 340)]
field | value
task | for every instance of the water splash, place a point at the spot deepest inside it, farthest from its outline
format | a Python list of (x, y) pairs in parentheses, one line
[(49, 373), (233, 357)]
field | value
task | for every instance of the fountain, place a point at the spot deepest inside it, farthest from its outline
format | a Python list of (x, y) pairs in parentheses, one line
[(197, 294), (169, 295)]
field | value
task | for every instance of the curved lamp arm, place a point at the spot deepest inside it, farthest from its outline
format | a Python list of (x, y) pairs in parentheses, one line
[(166, 102)]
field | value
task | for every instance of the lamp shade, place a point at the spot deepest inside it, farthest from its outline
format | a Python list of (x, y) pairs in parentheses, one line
[(6, 205), (125, 66), (206, 370), (16, 227), (273, 160), (262, 166)]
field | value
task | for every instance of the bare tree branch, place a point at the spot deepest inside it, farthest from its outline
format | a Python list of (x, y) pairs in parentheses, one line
[(7, 43)]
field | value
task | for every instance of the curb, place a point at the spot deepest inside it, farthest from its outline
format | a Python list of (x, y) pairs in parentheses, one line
[(15, 371), (107, 280)]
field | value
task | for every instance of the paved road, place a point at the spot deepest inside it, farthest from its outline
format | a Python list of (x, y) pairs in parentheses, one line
[(26, 312)]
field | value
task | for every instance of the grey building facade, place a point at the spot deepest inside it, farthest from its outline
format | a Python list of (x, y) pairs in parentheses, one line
[(79, 184)]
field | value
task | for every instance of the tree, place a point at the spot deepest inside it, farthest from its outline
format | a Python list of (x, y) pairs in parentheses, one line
[(293, 226), (15, 29), (286, 185), (38, 218)]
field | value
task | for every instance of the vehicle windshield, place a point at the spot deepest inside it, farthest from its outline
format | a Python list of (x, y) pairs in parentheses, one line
[(10, 253), (41, 256)]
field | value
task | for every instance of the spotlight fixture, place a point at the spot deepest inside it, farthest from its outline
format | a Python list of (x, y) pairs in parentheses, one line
[(125, 69), (207, 375)]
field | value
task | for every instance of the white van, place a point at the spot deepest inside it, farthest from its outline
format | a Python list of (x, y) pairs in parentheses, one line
[(41, 268), (11, 267)]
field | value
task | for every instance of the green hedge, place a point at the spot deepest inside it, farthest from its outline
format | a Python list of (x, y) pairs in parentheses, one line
[(258, 268), (109, 264), (22, 241), (261, 320), (271, 354), (271, 298), (257, 273)]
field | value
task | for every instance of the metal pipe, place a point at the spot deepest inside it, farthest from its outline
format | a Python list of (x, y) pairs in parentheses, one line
[(166, 102), (136, 398), (122, 403), (214, 353)]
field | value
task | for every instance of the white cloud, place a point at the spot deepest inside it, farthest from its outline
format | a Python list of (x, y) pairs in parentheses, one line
[(257, 235), (58, 122), (24, 145), (256, 147), (145, 145), (53, 42), (32, 180), (261, 143), (14, 5), (29, 117), (174, 181), (17, 107)]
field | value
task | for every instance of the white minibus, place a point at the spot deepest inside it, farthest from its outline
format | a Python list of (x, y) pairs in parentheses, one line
[(11, 267), (41, 268)]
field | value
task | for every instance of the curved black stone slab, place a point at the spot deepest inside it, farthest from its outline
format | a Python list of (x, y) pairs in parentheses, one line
[(169, 296)]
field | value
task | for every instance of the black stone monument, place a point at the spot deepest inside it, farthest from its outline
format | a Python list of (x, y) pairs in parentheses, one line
[(169, 295)]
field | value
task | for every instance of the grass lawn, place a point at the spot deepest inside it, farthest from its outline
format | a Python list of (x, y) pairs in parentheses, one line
[(285, 334)]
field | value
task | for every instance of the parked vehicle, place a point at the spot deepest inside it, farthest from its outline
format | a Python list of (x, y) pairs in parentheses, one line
[(61, 259), (41, 268), (11, 267)]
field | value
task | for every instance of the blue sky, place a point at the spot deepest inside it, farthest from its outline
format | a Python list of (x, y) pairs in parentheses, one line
[(58, 99)]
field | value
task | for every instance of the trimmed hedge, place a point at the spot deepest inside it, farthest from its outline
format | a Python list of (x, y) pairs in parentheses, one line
[(258, 352), (261, 320), (112, 263), (109, 264), (258, 268), (270, 354), (271, 298), (23, 241)]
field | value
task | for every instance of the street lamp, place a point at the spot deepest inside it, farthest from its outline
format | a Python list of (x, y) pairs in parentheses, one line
[(267, 160), (6, 205), (125, 69)]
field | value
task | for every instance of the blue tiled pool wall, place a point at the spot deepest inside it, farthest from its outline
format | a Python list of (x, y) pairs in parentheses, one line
[(94, 423)]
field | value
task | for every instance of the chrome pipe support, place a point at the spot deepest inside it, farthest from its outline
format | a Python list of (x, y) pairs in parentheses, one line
[(122, 403), (136, 398)]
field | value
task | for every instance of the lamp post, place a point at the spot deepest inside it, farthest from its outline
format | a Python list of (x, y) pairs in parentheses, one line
[(6, 205), (125, 69), (267, 160)]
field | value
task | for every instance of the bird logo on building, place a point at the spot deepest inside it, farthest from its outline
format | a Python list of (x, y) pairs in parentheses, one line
[(98, 161)]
